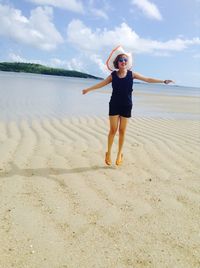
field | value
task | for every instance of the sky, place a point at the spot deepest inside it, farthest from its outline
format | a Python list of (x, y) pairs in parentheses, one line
[(163, 36)]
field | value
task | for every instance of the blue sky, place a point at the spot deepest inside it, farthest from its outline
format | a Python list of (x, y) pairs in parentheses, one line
[(164, 36)]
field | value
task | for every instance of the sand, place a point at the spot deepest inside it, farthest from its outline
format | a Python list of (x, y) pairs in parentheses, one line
[(61, 206)]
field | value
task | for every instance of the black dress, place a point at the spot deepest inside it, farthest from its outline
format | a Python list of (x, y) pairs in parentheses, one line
[(121, 98)]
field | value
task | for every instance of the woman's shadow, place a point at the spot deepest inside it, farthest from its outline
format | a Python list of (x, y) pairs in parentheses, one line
[(46, 172)]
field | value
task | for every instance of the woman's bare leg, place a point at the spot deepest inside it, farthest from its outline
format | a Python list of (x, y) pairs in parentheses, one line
[(122, 130), (114, 121)]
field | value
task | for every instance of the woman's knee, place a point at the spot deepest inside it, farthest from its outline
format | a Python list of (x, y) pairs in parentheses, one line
[(113, 131), (122, 131)]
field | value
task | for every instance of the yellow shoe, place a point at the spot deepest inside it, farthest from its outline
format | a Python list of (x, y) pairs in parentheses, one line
[(119, 161), (107, 159)]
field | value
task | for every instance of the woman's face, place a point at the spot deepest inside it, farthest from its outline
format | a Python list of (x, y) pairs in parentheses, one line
[(122, 61)]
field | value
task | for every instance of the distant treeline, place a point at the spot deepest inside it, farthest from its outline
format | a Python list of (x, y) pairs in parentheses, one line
[(41, 69)]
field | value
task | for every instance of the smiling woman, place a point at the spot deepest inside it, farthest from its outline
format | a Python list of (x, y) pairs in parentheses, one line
[(121, 59), (120, 105)]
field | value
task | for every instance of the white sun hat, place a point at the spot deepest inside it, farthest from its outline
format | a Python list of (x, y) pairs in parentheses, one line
[(113, 55)]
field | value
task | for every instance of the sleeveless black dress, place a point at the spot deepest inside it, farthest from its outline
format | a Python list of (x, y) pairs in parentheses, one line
[(121, 98)]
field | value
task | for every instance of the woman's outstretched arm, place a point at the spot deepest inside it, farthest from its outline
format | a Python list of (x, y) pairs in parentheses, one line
[(99, 85), (151, 80)]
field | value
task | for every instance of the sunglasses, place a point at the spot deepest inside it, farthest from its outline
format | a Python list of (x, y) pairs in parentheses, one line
[(122, 59)]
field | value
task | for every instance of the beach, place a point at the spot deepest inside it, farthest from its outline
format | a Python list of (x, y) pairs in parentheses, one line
[(61, 206)]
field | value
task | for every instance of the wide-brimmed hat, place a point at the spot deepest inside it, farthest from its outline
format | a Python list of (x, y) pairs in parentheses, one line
[(113, 55)]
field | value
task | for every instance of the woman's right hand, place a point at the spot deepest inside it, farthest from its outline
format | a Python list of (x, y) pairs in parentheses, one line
[(84, 91)]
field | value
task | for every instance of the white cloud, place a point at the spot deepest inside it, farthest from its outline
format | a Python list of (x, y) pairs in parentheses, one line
[(92, 41), (84, 38), (100, 63), (72, 5), (96, 11), (12, 56), (148, 8), (17, 58), (99, 13), (72, 64), (37, 31), (57, 62)]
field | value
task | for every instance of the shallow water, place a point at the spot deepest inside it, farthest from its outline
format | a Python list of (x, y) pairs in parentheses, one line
[(28, 96)]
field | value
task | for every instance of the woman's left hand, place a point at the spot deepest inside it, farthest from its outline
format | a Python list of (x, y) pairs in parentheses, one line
[(168, 81), (85, 91)]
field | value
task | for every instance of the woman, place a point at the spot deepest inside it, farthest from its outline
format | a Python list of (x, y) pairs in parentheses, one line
[(120, 105)]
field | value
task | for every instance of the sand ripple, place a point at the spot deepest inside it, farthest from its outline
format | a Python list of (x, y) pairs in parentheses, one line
[(62, 207)]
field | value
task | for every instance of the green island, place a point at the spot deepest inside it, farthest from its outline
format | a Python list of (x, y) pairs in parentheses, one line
[(41, 69)]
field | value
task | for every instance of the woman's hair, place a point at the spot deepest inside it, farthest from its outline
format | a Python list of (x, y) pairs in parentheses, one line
[(115, 63)]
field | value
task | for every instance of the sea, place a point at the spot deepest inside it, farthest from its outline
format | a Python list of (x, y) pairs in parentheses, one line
[(33, 96)]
